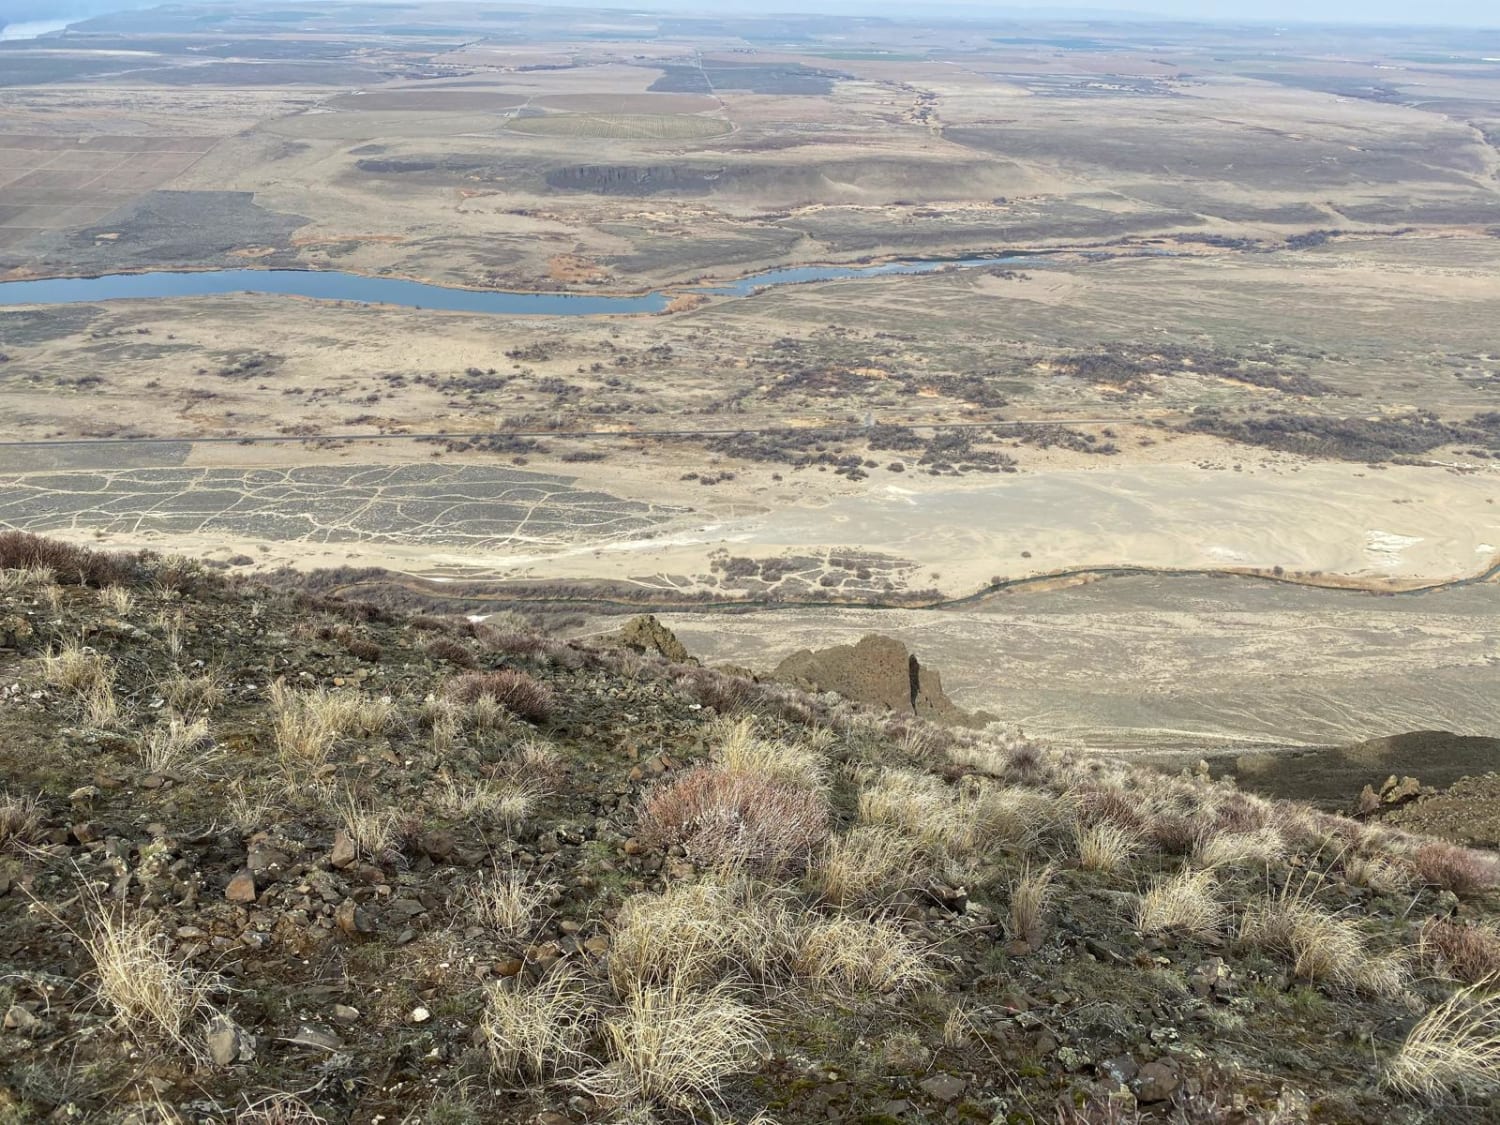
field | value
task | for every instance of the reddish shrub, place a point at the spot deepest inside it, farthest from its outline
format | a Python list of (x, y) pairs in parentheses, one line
[(449, 650), (720, 816), (1110, 805), (1460, 870), (515, 691), (726, 694), (1173, 833), (1462, 951), (1241, 813), (362, 649), (72, 565)]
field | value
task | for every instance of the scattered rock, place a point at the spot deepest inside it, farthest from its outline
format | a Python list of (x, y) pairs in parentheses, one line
[(353, 919), (1156, 1082), (228, 1042), (311, 1035), (944, 1087), (19, 1018), (241, 888), (344, 852)]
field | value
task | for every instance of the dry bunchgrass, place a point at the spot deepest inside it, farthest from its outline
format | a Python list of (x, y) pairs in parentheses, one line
[(1454, 1048), (864, 865), (687, 934), (507, 902), (278, 1109), (850, 954), (1105, 846), (675, 1046), (1030, 895), (728, 818), (1464, 951), (1384, 874), (245, 810), (308, 724), (20, 818), (22, 579), (155, 1000), (176, 744), (741, 750), (1183, 903), (540, 1032), (1257, 848), (1322, 947), (487, 802), (76, 670), (371, 828), (188, 693), (117, 599)]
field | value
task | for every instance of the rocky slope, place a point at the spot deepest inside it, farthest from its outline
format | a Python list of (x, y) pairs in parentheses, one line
[(269, 858)]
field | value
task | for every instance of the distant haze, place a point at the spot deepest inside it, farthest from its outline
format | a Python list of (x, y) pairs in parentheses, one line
[(1465, 13)]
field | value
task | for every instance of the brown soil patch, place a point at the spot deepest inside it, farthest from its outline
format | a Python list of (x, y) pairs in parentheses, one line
[(572, 267)]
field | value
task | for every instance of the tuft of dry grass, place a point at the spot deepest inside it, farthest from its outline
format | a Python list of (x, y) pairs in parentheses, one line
[(117, 599), (155, 1000), (1322, 947), (1105, 846), (720, 817), (1384, 874), (188, 693), (1464, 951), (77, 670), (741, 750), (21, 579), (1030, 895), (307, 724), (20, 818), (176, 743), (1453, 1048), (507, 902), (245, 811), (1215, 848), (371, 829), (676, 1046), (860, 955), (685, 934), (490, 802), (865, 864), (278, 1109), (539, 1032), (512, 689), (1182, 903)]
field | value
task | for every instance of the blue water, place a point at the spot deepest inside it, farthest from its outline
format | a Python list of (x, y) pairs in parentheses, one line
[(329, 285)]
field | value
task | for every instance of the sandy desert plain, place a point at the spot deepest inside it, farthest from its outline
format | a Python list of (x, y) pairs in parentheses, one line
[(1215, 463)]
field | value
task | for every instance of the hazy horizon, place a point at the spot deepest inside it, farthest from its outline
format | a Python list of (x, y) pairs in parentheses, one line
[(1456, 13)]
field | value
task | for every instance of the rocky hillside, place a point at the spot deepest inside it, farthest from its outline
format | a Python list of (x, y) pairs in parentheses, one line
[(271, 859)]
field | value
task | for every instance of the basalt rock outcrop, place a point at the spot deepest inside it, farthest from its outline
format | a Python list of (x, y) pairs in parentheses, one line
[(878, 670), (645, 634)]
